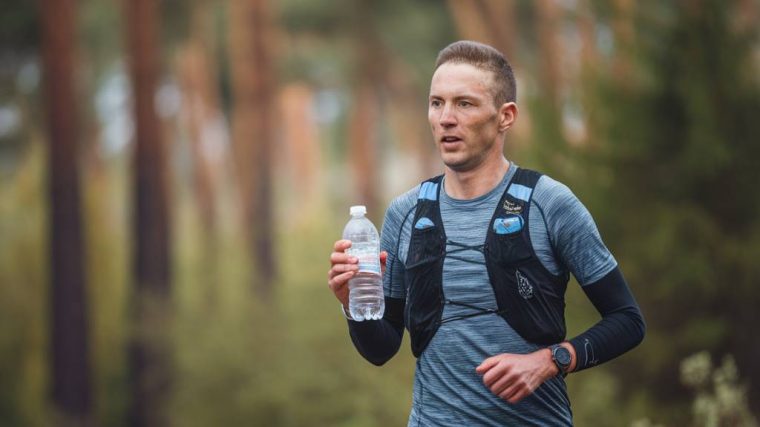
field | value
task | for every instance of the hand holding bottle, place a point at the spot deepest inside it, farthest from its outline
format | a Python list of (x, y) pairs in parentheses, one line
[(343, 267), (356, 260)]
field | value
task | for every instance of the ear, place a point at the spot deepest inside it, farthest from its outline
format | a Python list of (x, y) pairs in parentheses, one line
[(507, 116)]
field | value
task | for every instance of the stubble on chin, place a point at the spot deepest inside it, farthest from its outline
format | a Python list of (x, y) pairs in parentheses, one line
[(460, 165)]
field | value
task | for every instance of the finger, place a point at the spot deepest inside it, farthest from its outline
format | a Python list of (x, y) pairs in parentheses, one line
[(519, 396), (494, 374), (342, 245), (516, 392), (486, 365), (343, 258), (510, 392), (501, 384), (337, 282), (339, 269)]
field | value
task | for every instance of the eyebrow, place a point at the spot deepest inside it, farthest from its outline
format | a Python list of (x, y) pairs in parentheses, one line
[(457, 98)]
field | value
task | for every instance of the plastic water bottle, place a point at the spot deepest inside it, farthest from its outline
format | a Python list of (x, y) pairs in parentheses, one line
[(365, 298)]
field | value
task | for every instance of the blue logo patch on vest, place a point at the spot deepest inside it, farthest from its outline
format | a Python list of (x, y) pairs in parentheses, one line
[(428, 191), (423, 223), (520, 191), (508, 225)]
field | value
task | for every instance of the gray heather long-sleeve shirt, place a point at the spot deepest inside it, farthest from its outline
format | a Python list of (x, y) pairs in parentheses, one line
[(447, 390)]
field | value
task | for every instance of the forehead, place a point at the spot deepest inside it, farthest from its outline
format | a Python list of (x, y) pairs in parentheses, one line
[(460, 79)]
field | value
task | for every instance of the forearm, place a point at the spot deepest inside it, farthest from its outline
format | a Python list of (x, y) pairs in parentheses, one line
[(620, 329), (379, 340)]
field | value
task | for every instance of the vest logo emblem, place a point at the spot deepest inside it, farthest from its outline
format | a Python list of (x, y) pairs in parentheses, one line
[(523, 286), (508, 225), (512, 207)]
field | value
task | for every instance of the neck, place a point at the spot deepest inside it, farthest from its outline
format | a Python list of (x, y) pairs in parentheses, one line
[(465, 185)]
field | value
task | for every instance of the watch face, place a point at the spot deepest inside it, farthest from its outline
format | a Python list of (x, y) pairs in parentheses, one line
[(562, 355)]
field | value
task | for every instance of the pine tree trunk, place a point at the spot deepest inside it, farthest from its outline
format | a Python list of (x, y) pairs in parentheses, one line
[(362, 126), (587, 31), (548, 25), (71, 388), (150, 366), (251, 42), (487, 21), (202, 116), (300, 150), (408, 121), (195, 68), (623, 30), (495, 22), (361, 144)]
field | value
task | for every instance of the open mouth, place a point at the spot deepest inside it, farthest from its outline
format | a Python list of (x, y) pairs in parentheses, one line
[(448, 139)]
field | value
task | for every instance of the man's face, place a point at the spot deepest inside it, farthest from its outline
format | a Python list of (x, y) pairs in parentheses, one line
[(464, 120)]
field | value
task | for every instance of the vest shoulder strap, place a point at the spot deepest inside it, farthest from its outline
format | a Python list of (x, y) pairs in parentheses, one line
[(429, 189), (523, 184)]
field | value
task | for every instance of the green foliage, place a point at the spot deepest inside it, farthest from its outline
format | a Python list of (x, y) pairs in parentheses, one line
[(107, 227), (23, 299), (288, 362), (19, 28), (720, 400), (669, 174), (677, 200)]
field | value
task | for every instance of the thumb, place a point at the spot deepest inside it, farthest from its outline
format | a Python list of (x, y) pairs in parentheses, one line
[(486, 365)]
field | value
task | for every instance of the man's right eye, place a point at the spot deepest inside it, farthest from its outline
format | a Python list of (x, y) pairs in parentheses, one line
[(435, 103)]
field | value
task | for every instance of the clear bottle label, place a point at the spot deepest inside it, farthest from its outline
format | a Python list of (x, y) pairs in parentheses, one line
[(369, 262)]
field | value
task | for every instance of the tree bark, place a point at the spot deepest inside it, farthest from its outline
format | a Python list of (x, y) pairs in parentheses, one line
[(589, 71), (624, 34), (300, 151), (149, 356), (362, 126), (487, 21), (202, 117), (201, 110), (494, 22), (251, 40), (548, 24), (407, 118), (361, 144), (746, 16), (71, 387), (586, 29), (468, 20)]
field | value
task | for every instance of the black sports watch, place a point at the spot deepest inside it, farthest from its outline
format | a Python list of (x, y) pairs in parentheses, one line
[(561, 357)]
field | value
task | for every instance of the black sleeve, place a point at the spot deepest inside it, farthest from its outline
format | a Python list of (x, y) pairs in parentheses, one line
[(379, 340), (621, 327)]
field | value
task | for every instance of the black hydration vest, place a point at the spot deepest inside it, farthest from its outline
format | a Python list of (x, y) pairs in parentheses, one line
[(528, 296)]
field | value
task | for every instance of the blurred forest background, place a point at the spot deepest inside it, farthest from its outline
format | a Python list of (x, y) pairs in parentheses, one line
[(173, 175)]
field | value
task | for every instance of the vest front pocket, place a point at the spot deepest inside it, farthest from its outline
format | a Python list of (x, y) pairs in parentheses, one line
[(509, 249), (424, 301), (531, 312), (428, 246), (424, 293)]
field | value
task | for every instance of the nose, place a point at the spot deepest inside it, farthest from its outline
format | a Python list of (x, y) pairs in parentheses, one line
[(447, 117)]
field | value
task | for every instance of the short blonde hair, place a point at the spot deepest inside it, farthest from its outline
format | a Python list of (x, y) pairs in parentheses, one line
[(486, 58)]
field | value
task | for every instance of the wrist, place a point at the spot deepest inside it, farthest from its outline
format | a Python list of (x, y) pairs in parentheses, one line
[(346, 312), (551, 369)]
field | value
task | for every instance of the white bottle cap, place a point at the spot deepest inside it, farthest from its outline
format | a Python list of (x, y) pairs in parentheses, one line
[(358, 210)]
